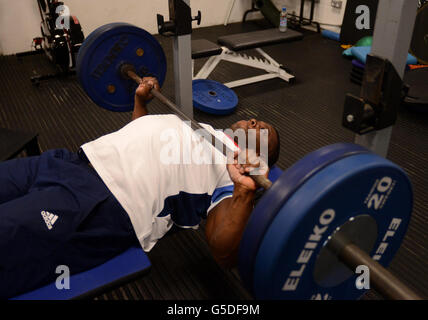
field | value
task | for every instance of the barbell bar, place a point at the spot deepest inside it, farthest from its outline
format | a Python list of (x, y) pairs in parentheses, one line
[(324, 214), (382, 279)]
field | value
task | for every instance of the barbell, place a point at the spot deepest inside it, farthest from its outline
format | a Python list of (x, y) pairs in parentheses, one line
[(337, 208)]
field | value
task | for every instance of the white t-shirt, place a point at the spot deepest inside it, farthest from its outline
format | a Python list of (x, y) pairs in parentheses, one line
[(152, 168)]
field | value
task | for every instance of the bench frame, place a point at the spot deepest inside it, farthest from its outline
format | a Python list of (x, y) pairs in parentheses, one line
[(267, 63)]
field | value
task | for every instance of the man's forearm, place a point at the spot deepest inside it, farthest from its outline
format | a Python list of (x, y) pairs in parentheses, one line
[(140, 109), (226, 224)]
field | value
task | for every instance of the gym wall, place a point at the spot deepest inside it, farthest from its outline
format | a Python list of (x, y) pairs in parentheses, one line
[(20, 20)]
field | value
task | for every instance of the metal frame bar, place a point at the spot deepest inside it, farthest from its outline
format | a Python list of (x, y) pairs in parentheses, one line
[(391, 40), (182, 53), (229, 12), (383, 280)]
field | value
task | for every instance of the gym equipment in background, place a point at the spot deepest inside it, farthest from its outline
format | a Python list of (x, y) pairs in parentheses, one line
[(330, 35), (180, 28), (373, 113), (357, 72), (232, 44), (213, 97), (360, 53), (415, 86), (419, 44), (363, 42), (267, 8), (271, 13), (417, 90), (366, 41), (415, 81), (61, 39)]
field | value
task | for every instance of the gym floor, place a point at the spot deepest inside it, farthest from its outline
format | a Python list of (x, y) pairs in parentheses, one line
[(307, 114)]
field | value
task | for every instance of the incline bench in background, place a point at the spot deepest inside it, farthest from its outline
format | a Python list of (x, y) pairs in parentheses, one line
[(230, 44)]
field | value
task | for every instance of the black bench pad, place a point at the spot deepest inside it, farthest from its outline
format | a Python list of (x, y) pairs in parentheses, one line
[(203, 48), (12, 142), (256, 39)]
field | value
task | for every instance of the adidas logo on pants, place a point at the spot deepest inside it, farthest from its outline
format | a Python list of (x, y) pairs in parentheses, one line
[(49, 218)]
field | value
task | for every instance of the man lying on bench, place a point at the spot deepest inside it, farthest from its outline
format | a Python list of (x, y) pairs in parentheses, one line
[(81, 210)]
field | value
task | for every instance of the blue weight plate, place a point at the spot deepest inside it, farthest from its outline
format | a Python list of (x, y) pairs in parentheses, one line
[(213, 97), (88, 40), (271, 202), (101, 56), (363, 184), (274, 173)]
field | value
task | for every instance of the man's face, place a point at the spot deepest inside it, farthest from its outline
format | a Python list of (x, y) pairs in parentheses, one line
[(258, 125)]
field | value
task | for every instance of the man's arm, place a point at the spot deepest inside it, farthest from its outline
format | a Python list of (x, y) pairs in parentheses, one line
[(226, 222), (142, 94)]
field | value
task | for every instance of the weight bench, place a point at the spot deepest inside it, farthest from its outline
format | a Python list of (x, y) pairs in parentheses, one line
[(231, 44), (116, 272)]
